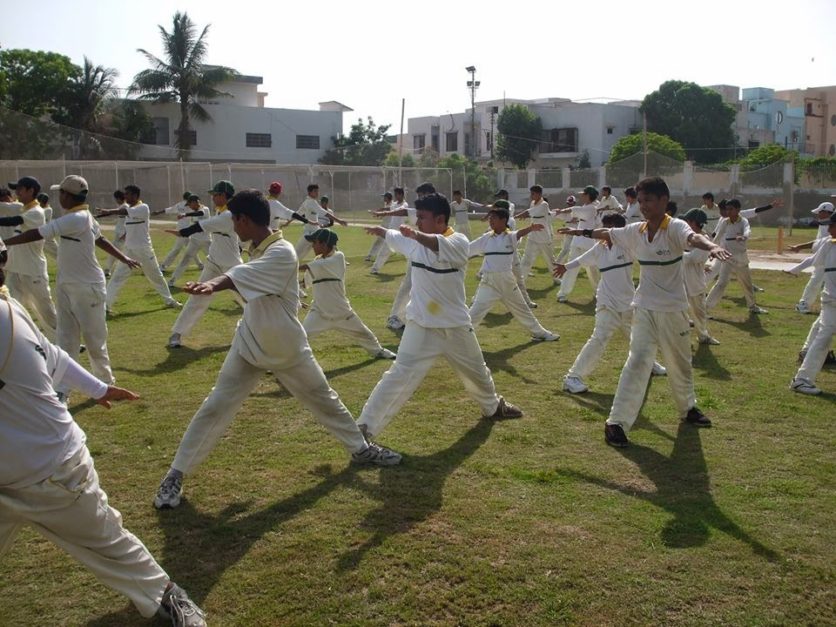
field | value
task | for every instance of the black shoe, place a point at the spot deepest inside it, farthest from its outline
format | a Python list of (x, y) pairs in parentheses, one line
[(831, 358), (697, 418), (614, 436)]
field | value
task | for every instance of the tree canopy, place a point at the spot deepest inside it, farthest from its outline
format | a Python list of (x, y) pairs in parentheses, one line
[(520, 132), (632, 144), (365, 144)]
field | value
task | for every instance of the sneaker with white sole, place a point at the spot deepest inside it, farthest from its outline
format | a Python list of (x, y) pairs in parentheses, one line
[(574, 385), (548, 336), (658, 370), (394, 324), (757, 310), (173, 304), (169, 493), (707, 339), (174, 341), (804, 386), (376, 455), (803, 307), (532, 305), (562, 299), (385, 353), (757, 288), (505, 411), (182, 611)]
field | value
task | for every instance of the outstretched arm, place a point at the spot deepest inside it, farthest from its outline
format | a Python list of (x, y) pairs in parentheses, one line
[(111, 250), (206, 288), (533, 227), (603, 234), (428, 241), (700, 241), (32, 235)]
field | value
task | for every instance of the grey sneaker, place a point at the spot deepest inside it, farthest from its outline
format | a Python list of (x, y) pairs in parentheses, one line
[(169, 492), (574, 385), (182, 611), (174, 341), (803, 307), (173, 304), (385, 353), (710, 341), (658, 370), (394, 323), (376, 454), (505, 411), (548, 336), (757, 310), (804, 386)]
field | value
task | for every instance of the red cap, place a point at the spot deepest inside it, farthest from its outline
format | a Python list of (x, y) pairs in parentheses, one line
[(275, 187)]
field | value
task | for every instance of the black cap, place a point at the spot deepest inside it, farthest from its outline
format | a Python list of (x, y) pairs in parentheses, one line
[(323, 235), (28, 182)]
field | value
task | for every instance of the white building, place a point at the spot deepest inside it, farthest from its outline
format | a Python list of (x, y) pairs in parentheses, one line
[(569, 129), (243, 130)]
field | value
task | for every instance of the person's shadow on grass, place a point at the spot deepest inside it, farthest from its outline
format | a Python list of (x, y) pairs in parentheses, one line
[(705, 360), (498, 360), (683, 489)]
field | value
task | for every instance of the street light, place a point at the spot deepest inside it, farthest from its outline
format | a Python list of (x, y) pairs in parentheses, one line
[(472, 85)]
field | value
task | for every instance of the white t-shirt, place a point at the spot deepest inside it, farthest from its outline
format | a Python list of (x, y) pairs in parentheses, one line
[(278, 213), (633, 213), (540, 213), (200, 236), (713, 218), (661, 278), (437, 298), (499, 250), (224, 248), (29, 258), (458, 210), (179, 209), (9, 210), (326, 276), (609, 204), (313, 211), (269, 335), (694, 268), (727, 234), (76, 232), (615, 287), (587, 216), (137, 235), (822, 235)]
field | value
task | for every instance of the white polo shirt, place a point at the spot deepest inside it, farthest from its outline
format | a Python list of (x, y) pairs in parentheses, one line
[(633, 213), (179, 209), (437, 298), (76, 232), (587, 216), (713, 218), (313, 211), (269, 335), (278, 212), (609, 204), (499, 250), (661, 278), (137, 235), (200, 236), (727, 234), (615, 288), (696, 281), (540, 213), (28, 259), (459, 211), (822, 235), (224, 248), (326, 276)]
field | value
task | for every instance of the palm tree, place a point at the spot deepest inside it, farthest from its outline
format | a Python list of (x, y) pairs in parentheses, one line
[(182, 77)]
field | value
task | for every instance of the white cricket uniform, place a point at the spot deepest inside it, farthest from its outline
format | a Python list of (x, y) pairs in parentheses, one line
[(269, 336), (313, 211), (437, 324), (278, 213), (405, 288), (459, 211), (80, 289), (198, 242), (660, 320), (814, 284), (632, 213), (540, 243), (726, 236), (47, 477), (825, 325), (9, 210), (608, 205), (378, 244), (26, 272), (224, 253), (138, 246), (50, 245), (696, 284), (118, 239), (331, 309), (498, 282), (713, 215), (180, 242), (587, 216), (391, 222)]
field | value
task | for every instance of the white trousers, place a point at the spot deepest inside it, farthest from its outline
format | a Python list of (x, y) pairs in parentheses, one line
[(179, 244), (563, 255), (148, 262), (110, 261), (699, 314), (378, 244), (817, 350), (352, 326), (463, 227), (669, 333), (813, 333), (402, 297), (519, 277), (567, 283), (537, 249), (502, 286), (191, 255), (197, 305), (237, 378), (80, 311), (71, 510), (741, 269), (32, 292), (607, 322), (382, 256), (814, 285), (418, 351)]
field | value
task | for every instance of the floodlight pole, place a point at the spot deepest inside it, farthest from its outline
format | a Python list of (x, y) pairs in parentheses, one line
[(473, 85)]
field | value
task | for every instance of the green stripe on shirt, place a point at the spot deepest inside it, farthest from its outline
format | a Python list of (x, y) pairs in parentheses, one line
[(620, 265), (660, 263)]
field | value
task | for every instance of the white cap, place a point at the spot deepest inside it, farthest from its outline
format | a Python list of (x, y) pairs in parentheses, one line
[(825, 206), (74, 184)]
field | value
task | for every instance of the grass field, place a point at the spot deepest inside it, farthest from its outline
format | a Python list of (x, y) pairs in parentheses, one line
[(528, 522)]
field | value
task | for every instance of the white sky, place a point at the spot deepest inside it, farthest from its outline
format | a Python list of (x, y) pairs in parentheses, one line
[(369, 54)]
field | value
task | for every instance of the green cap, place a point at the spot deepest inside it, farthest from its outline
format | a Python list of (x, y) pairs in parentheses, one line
[(323, 235), (590, 190), (502, 204), (696, 215), (223, 187), (186, 195)]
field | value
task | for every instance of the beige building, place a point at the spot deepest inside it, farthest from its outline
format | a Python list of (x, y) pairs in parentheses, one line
[(819, 106)]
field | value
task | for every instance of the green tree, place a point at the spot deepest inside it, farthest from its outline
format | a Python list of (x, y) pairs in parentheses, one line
[(34, 82), (478, 181), (365, 144), (632, 144), (694, 116), (520, 132), (182, 77), (583, 161), (766, 155)]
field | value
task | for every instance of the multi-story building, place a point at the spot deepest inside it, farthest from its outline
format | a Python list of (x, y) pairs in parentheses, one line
[(818, 105)]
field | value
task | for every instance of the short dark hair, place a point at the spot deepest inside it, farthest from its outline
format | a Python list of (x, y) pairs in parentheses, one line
[(606, 188), (312, 187), (398, 190), (119, 195), (630, 192), (426, 188), (500, 212), (614, 221), (654, 185), (132, 189), (457, 191), (435, 203), (722, 203), (27, 182), (708, 196), (672, 208), (193, 198), (5, 191), (536, 189), (43, 197), (251, 203), (733, 202)]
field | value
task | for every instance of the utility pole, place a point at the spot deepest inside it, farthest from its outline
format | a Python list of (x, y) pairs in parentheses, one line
[(472, 85), (494, 111)]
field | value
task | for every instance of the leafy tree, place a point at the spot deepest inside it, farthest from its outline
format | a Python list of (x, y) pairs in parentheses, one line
[(694, 116), (34, 82), (632, 144), (480, 181), (520, 132), (182, 77), (393, 160), (365, 144), (766, 155), (583, 161)]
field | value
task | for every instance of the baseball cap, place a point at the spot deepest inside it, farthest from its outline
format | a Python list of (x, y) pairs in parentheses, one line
[(502, 204), (223, 187), (589, 189), (387, 195), (324, 199), (696, 215), (28, 182), (500, 192), (74, 184), (323, 235), (193, 198), (275, 188), (825, 206), (186, 195)]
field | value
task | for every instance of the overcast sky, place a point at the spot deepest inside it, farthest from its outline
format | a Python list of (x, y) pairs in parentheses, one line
[(368, 55)]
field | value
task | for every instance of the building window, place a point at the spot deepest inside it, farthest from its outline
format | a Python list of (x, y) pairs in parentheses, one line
[(307, 142), (753, 144), (191, 135), (418, 142), (559, 140), (833, 120), (260, 140), (159, 134), (809, 109), (610, 129), (452, 142)]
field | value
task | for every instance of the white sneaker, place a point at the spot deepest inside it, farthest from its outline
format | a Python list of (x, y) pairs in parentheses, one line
[(562, 299), (804, 387), (532, 305), (803, 307), (394, 323), (169, 492), (173, 304), (758, 289), (373, 271), (658, 370), (757, 310), (548, 336), (707, 339), (385, 353), (174, 341), (574, 385)]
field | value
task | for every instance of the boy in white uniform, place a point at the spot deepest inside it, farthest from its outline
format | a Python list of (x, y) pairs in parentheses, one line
[(395, 214), (312, 211), (119, 231), (459, 208), (660, 320), (632, 213), (613, 304), (80, 285), (587, 216), (177, 209), (712, 212), (695, 280), (224, 253), (540, 242), (378, 244), (825, 258), (330, 308), (26, 270), (198, 242), (50, 245), (138, 246), (607, 203), (278, 212), (732, 234), (437, 321), (499, 246), (814, 284), (269, 336)]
